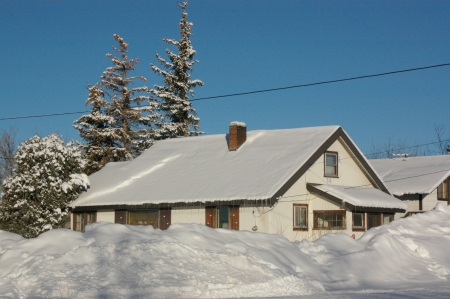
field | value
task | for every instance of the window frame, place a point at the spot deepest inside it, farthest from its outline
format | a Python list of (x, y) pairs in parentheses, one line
[(297, 228), (336, 174), (130, 215), (330, 212), (84, 221), (359, 228)]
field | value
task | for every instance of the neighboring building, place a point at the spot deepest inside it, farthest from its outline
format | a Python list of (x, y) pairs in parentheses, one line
[(420, 182), (301, 183)]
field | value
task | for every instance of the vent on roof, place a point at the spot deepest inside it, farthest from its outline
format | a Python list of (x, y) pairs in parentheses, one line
[(238, 135)]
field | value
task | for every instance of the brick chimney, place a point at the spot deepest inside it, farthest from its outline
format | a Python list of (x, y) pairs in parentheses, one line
[(238, 135)]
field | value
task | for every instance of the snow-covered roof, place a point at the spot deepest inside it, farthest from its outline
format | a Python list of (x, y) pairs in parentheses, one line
[(413, 175), (360, 197), (202, 169)]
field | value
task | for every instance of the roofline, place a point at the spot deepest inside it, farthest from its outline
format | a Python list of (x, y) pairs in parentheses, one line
[(312, 188), (319, 152), (149, 206)]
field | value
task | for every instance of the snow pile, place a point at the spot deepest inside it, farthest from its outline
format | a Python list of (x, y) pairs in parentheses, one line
[(116, 261)]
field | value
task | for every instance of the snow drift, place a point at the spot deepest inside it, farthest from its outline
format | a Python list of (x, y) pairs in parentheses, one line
[(116, 261)]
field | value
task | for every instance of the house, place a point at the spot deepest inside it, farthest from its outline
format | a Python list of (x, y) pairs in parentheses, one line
[(301, 183), (420, 182)]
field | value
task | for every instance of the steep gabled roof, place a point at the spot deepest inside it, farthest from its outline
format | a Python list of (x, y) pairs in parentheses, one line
[(202, 169), (413, 175)]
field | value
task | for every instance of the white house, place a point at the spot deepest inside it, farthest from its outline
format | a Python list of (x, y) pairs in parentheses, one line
[(420, 182), (301, 183)]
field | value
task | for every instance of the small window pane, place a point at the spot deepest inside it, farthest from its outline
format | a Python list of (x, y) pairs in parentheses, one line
[(358, 220), (330, 164), (300, 217), (79, 222), (223, 220)]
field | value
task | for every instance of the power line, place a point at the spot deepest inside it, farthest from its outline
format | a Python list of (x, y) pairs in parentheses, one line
[(43, 115), (259, 91), (324, 82)]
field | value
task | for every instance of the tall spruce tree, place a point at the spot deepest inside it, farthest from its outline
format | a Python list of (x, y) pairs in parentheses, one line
[(97, 130), (118, 127), (177, 114), (46, 179)]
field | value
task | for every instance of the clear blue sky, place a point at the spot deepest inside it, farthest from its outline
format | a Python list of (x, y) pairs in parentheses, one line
[(51, 50)]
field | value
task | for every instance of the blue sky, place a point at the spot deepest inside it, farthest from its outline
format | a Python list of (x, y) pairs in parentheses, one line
[(51, 50)]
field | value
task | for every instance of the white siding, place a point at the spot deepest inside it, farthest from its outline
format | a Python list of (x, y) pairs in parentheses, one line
[(188, 215), (105, 216)]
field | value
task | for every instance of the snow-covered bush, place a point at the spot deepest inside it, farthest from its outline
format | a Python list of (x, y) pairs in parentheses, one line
[(47, 177)]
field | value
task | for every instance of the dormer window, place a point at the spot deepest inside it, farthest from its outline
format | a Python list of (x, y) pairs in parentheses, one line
[(331, 164)]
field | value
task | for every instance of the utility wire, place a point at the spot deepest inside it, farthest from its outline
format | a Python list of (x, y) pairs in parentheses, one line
[(324, 82), (260, 91)]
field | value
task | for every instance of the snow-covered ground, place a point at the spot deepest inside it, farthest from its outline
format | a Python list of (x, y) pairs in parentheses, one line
[(409, 258)]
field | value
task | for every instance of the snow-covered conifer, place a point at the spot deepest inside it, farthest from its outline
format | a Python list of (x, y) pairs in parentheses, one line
[(47, 177), (97, 130), (178, 115), (118, 127)]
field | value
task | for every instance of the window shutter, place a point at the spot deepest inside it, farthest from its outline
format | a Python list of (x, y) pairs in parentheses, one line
[(165, 218), (120, 217), (234, 217), (210, 217)]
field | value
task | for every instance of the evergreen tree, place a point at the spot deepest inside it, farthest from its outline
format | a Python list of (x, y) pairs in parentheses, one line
[(47, 177), (97, 130), (118, 127), (178, 115)]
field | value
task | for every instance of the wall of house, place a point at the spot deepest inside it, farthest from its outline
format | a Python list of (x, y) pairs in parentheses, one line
[(251, 216), (188, 215), (429, 201), (350, 174), (105, 216)]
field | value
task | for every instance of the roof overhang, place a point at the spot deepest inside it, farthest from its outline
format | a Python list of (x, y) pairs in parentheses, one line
[(358, 199)]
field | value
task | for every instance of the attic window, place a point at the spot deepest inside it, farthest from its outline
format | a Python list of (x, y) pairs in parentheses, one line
[(331, 164)]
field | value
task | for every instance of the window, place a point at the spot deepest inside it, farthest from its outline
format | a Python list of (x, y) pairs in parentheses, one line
[(226, 217), (329, 220), (300, 217), (442, 190), (80, 220), (144, 217), (358, 221), (223, 217), (331, 164)]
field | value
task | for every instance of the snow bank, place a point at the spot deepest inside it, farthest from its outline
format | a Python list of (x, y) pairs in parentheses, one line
[(116, 261)]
